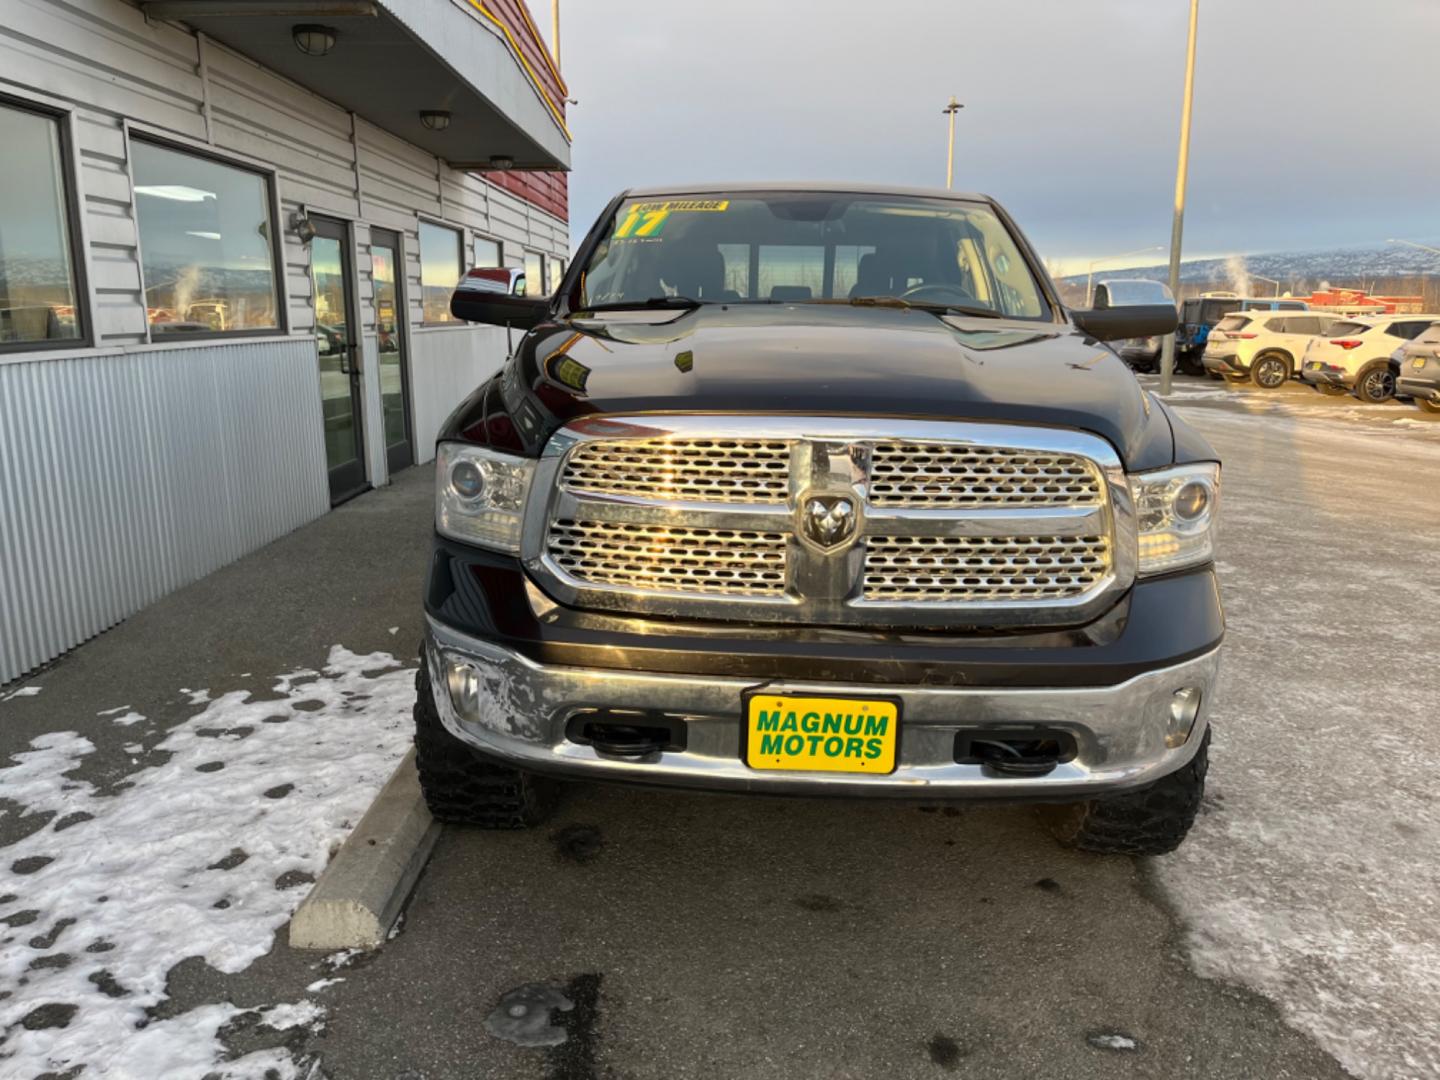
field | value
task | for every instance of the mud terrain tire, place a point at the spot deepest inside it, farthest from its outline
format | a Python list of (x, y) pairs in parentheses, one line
[(1151, 821), (461, 785)]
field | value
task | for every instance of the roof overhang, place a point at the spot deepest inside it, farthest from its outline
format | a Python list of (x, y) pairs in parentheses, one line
[(393, 60)]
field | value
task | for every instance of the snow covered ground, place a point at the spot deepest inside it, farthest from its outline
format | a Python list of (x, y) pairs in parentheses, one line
[(1313, 875), (206, 854)]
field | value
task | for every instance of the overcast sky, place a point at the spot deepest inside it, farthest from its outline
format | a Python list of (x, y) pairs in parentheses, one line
[(1317, 122)]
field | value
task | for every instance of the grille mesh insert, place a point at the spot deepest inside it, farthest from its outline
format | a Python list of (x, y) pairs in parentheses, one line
[(982, 569), (699, 470), (945, 476), (670, 558)]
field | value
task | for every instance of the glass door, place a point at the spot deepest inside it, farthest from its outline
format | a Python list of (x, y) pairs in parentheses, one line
[(336, 340), (391, 322)]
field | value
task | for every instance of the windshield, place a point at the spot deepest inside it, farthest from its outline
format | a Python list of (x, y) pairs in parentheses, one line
[(1348, 329), (809, 247)]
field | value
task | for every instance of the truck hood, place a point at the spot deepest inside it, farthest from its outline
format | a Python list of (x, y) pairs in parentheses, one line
[(820, 359)]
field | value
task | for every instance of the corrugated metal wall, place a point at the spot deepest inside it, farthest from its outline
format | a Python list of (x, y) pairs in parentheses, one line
[(123, 477), (132, 470)]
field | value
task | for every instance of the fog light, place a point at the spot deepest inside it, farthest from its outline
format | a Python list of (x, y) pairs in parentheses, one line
[(464, 685), (1184, 708)]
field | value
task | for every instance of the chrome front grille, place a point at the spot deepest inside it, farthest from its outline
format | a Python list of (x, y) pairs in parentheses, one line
[(722, 517), (670, 558), (967, 569), (946, 476), (697, 470)]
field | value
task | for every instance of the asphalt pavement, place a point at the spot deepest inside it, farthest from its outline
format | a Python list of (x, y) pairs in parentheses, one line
[(709, 936)]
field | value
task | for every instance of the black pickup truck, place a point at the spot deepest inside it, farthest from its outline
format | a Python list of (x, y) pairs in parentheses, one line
[(819, 490)]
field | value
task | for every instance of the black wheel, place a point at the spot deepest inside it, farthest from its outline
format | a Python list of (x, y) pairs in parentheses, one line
[(1428, 405), (1331, 389), (1190, 363), (1151, 821), (1376, 385), (1270, 371), (462, 786)]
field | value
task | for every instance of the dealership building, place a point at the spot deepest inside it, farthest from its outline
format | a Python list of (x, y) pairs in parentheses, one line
[(229, 230)]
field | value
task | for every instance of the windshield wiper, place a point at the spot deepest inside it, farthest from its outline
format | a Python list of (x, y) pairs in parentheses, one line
[(678, 302), (921, 305)]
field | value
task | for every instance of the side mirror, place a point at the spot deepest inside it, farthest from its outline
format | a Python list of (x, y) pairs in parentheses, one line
[(1131, 321), (495, 295)]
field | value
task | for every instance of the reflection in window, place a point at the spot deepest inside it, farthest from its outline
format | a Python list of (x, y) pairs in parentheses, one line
[(37, 279), (487, 252), (791, 271), (392, 390), (534, 274), (556, 268), (440, 270), (205, 243)]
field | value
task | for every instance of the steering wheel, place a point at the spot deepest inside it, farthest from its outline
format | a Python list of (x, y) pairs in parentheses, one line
[(939, 292)]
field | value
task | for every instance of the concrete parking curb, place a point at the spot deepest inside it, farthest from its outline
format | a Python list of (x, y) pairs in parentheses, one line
[(359, 896)]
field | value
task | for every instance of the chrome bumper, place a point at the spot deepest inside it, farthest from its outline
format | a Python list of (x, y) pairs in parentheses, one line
[(522, 710)]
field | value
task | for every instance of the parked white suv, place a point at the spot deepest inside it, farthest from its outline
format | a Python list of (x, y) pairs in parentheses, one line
[(1263, 346), (1358, 355)]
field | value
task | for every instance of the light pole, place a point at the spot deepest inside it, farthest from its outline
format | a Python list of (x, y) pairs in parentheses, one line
[(1411, 243), (1267, 280), (950, 109), (1182, 168), (1090, 273), (555, 31)]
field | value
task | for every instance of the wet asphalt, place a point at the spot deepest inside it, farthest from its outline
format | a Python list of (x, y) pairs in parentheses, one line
[(695, 935)]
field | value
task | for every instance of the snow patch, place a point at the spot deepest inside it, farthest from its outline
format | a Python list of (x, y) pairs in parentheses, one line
[(322, 984), (152, 878), (31, 691), (128, 719)]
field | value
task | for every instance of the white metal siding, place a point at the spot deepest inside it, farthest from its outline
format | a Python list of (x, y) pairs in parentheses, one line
[(123, 477), (130, 470), (454, 368)]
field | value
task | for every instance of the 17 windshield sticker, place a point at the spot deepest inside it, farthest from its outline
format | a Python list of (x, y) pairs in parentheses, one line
[(646, 220)]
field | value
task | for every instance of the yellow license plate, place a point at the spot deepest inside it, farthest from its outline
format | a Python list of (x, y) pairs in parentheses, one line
[(821, 734)]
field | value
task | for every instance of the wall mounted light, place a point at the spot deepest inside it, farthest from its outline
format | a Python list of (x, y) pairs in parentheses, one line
[(435, 119), (502, 161), (312, 39), (303, 226)]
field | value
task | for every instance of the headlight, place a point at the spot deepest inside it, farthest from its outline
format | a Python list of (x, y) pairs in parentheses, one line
[(480, 495), (1176, 511)]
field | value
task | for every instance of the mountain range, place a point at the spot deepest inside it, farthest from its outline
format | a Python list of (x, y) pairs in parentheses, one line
[(1294, 269)]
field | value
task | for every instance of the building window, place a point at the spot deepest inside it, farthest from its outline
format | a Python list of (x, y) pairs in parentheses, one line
[(440, 270), (207, 252), (534, 274), (487, 252), (556, 267), (39, 296)]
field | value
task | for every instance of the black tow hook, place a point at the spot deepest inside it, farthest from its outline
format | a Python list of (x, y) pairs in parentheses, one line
[(627, 733), (620, 740), (1010, 759), (1016, 751)]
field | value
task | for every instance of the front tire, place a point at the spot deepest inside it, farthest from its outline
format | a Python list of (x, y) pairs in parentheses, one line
[(1375, 386), (1270, 371), (462, 786), (1151, 821), (1428, 405)]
